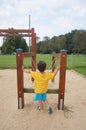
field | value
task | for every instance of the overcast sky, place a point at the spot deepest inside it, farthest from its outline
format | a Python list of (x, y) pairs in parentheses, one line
[(48, 17)]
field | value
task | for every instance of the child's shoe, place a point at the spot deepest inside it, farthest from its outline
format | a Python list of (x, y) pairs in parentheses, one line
[(50, 111), (41, 110), (38, 108)]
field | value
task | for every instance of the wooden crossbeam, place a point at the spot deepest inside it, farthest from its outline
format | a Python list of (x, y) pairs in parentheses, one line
[(16, 32), (56, 55), (50, 91), (26, 54)]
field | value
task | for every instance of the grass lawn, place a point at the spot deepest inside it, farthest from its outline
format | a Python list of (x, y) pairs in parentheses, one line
[(75, 62), (7, 61)]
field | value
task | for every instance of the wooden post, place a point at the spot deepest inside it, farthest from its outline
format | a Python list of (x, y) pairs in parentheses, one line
[(34, 50), (62, 80), (19, 61), (53, 66), (53, 63)]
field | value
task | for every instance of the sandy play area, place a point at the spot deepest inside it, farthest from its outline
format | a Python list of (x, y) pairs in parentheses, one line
[(72, 118)]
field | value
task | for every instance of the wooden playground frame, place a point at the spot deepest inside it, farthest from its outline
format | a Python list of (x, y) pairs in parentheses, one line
[(20, 82), (19, 61)]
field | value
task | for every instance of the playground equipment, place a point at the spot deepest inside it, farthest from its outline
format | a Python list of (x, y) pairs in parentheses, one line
[(61, 90), (19, 60), (20, 82)]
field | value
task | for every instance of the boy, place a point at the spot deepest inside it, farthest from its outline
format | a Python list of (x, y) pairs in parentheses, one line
[(41, 79)]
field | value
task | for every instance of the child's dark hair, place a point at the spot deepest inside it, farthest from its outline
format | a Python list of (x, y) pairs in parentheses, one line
[(41, 66)]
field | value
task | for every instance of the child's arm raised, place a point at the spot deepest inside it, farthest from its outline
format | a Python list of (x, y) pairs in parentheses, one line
[(27, 71)]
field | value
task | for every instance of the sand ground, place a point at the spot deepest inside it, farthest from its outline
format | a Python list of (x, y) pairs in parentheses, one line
[(72, 118)]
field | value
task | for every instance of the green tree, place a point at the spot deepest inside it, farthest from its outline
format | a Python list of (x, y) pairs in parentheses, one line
[(10, 44), (79, 40), (54, 44), (61, 42), (74, 41), (69, 41), (45, 46)]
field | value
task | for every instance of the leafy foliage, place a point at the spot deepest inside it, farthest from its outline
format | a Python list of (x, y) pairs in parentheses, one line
[(10, 44), (74, 42)]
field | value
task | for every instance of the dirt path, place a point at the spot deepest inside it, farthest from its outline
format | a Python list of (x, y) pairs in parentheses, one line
[(72, 118)]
